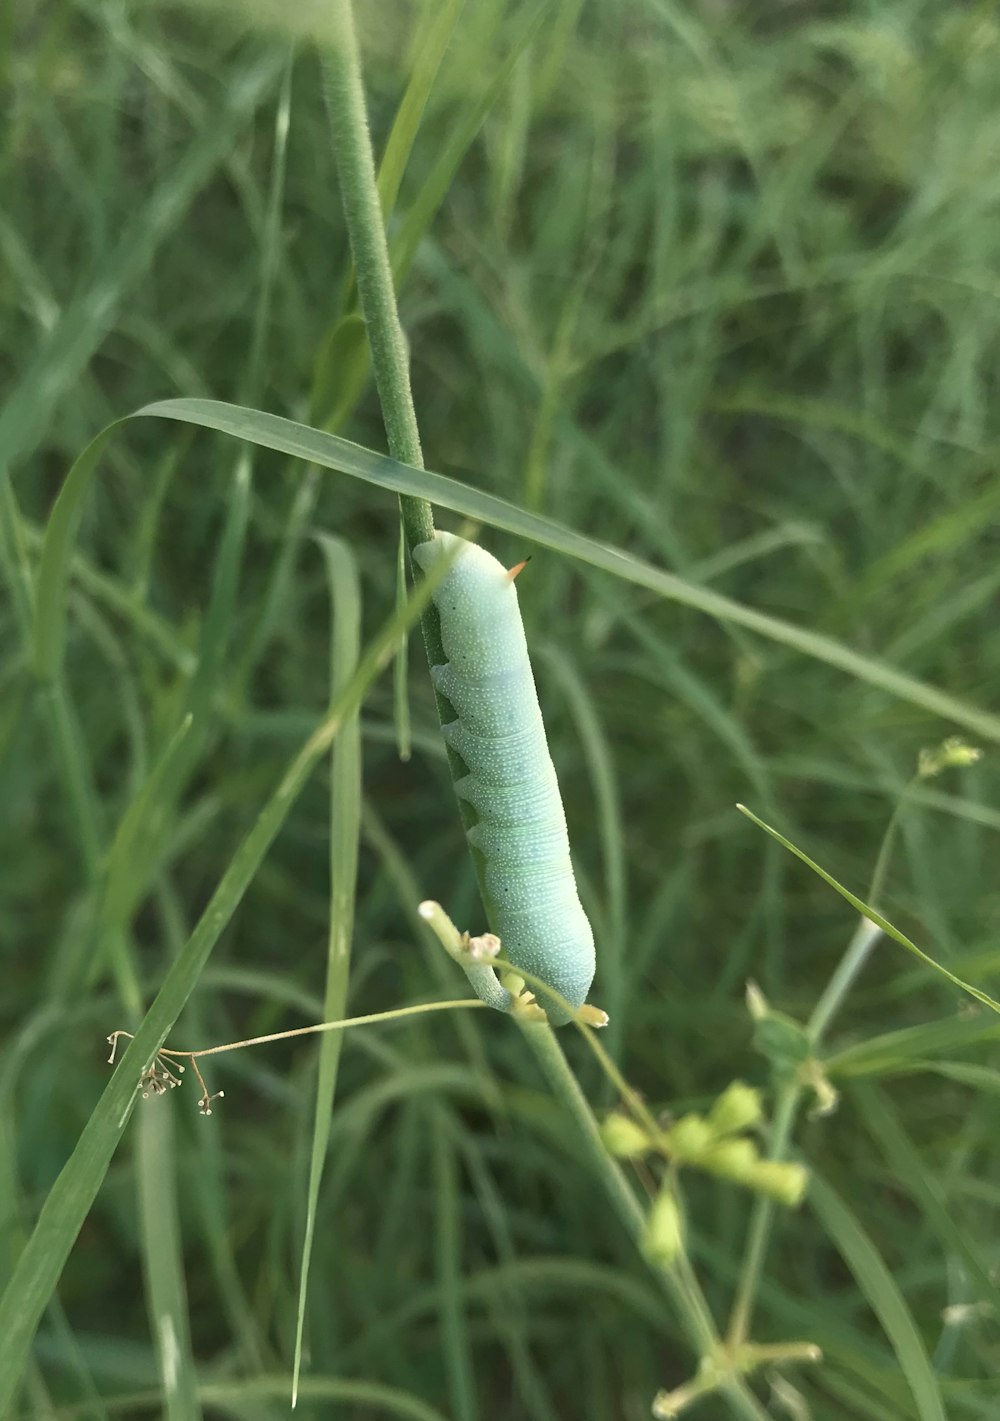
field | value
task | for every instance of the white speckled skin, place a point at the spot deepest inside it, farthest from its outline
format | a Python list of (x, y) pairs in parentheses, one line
[(533, 902)]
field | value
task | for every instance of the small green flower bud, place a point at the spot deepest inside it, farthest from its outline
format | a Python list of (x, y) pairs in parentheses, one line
[(951, 752), (732, 1159), (663, 1237), (780, 1180), (756, 1002), (737, 1108), (623, 1138), (689, 1138)]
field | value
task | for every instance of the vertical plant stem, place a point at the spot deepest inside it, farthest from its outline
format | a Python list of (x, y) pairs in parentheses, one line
[(761, 1219), (370, 250), (759, 1233), (678, 1280), (389, 349), (865, 937)]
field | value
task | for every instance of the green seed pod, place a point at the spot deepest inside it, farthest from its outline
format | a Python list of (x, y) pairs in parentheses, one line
[(781, 1180), (688, 1140), (732, 1159), (623, 1138), (737, 1108), (663, 1237)]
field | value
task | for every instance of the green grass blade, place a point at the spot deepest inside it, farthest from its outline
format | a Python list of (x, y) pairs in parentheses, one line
[(893, 1052), (137, 837), (163, 1260), (72, 754), (400, 667), (68, 1202), (883, 1296), (220, 615), (83, 325), (57, 557), (922, 1184), (873, 915), (430, 47), (420, 214), (344, 365), (232, 1398), (14, 555), (331, 452), (110, 592), (345, 832), (455, 1345), (245, 1400)]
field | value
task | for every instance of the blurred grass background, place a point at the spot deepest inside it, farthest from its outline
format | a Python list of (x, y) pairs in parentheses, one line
[(714, 283)]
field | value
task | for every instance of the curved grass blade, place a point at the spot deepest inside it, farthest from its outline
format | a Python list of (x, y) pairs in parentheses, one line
[(867, 911), (315, 446), (345, 832), (923, 1185), (138, 836), (883, 1295)]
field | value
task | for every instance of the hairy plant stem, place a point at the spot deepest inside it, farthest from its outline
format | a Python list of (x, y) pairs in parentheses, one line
[(377, 297), (370, 250)]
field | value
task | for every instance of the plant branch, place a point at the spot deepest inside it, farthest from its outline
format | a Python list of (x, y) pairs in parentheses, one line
[(372, 1019), (678, 1279), (759, 1232)]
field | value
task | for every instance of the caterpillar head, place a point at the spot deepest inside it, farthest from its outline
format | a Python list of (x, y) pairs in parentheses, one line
[(476, 594)]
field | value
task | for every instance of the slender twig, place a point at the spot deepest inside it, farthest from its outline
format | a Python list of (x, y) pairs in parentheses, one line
[(372, 1019), (158, 1076), (831, 999), (783, 1123)]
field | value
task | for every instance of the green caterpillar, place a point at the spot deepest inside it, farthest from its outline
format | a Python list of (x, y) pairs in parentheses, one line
[(528, 879)]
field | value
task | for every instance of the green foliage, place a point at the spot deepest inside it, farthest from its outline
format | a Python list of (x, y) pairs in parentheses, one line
[(700, 303)]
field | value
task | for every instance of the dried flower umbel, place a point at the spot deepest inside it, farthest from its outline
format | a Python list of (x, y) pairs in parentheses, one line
[(164, 1072)]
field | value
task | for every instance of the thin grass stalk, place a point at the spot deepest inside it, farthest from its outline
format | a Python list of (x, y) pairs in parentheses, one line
[(345, 832)]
